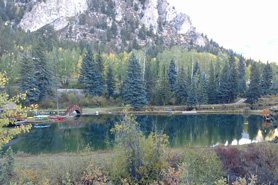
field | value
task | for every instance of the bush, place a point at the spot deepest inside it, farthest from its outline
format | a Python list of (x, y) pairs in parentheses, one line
[(7, 167), (137, 158), (200, 167), (47, 103)]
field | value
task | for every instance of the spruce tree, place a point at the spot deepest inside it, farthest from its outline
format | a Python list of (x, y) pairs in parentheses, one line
[(43, 74), (149, 81), (197, 70), (192, 99), (233, 82), (212, 91), (254, 90), (133, 90), (110, 82), (172, 75), (266, 81), (241, 76), (202, 95), (27, 80), (100, 65), (90, 76), (180, 88), (224, 90)]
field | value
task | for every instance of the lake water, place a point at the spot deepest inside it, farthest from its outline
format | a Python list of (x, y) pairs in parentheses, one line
[(183, 130)]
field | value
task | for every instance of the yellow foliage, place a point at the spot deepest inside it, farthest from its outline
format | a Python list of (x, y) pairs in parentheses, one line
[(11, 108)]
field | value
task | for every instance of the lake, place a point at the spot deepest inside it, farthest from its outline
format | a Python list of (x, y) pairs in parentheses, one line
[(183, 130)]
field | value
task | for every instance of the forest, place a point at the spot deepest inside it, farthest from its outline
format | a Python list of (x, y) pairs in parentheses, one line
[(39, 62)]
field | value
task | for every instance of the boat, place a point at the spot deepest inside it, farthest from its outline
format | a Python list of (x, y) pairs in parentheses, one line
[(41, 116), (41, 126), (58, 118)]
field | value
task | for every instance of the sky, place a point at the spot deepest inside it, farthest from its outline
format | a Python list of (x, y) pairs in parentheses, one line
[(249, 27)]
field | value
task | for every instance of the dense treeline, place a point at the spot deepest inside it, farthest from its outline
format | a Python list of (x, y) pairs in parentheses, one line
[(36, 62)]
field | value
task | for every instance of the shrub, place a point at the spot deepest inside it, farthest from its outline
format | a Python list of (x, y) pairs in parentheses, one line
[(231, 160), (7, 167), (137, 158), (47, 103), (200, 167)]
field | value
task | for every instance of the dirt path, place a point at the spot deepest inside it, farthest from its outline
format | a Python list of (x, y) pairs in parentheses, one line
[(242, 100)]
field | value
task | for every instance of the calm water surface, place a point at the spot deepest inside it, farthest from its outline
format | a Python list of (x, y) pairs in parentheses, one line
[(183, 130)]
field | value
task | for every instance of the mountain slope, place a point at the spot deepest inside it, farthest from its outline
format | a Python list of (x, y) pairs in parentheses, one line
[(121, 22)]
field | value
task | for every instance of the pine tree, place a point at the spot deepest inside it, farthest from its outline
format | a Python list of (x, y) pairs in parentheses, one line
[(241, 76), (90, 76), (133, 90), (27, 81), (110, 82), (43, 74), (266, 81), (100, 65), (192, 99), (212, 91), (197, 70), (172, 75), (114, 29), (254, 90), (223, 91), (180, 88), (233, 81), (149, 81), (202, 95)]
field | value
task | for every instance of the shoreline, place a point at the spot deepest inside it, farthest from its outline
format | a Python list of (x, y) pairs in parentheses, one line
[(113, 111)]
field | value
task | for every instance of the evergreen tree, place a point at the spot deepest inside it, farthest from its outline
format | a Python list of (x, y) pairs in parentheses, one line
[(100, 65), (27, 80), (233, 82), (212, 91), (266, 81), (223, 91), (114, 29), (110, 82), (241, 76), (202, 95), (164, 93), (149, 80), (254, 90), (172, 75), (90, 76), (188, 77), (192, 99), (142, 33), (231, 59), (43, 74), (180, 88), (134, 92), (197, 70)]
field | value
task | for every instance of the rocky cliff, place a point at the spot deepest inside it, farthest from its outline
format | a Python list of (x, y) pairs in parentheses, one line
[(122, 22)]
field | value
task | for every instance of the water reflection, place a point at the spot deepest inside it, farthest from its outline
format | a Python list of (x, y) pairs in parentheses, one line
[(185, 130)]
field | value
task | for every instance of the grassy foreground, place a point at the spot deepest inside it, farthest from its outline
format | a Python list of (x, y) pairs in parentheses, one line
[(220, 165)]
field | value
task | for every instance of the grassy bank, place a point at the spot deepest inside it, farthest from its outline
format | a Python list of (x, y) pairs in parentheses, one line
[(235, 162)]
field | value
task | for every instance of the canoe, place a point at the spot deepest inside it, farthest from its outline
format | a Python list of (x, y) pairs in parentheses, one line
[(30, 118), (59, 118), (41, 126), (41, 116)]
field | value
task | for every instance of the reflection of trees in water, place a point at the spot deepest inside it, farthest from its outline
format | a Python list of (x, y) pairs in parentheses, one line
[(253, 126), (182, 130)]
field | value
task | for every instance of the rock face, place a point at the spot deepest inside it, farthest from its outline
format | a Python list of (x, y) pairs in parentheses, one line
[(55, 12), (85, 20)]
